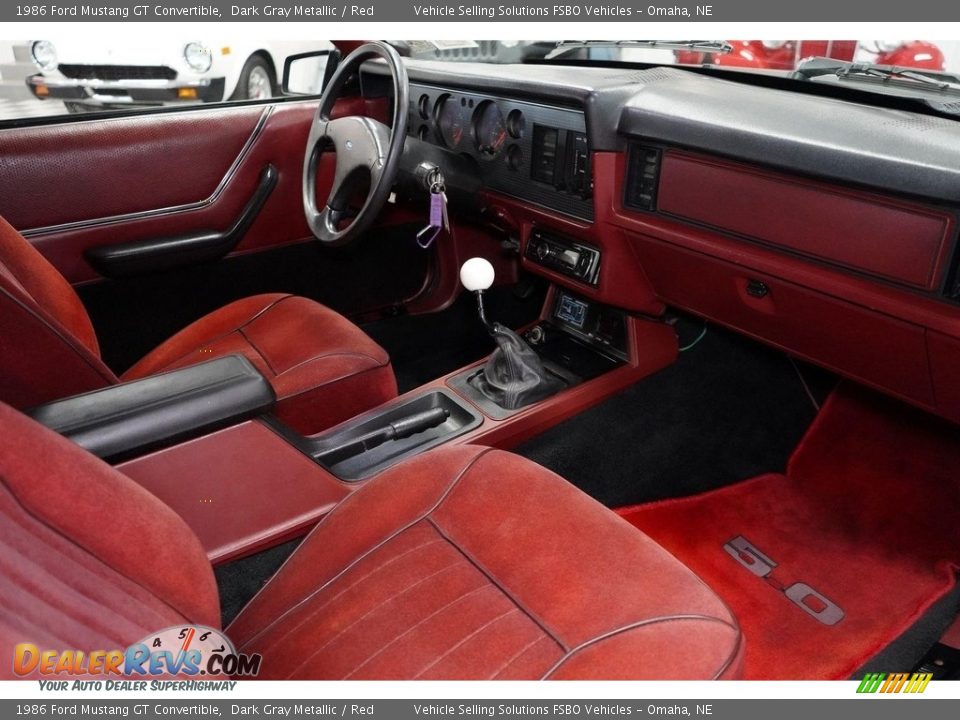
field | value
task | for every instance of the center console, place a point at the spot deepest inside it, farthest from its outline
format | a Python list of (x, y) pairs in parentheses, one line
[(255, 483), (577, 341)]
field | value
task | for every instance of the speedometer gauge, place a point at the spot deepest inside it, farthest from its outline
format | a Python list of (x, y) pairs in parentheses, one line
[(451, 121), (489, 129)]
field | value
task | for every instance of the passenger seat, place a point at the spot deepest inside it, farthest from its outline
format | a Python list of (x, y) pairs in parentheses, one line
[(464, 562)]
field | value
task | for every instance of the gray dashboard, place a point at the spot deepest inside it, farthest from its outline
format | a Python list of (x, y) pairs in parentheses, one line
[(894, 150)]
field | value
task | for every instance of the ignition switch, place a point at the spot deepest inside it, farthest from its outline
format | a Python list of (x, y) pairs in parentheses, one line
[(429, 175)]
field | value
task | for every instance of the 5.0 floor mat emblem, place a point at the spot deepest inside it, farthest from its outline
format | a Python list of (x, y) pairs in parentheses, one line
[(800, 594)]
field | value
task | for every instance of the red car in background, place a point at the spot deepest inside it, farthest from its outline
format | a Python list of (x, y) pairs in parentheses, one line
[(787, 54)]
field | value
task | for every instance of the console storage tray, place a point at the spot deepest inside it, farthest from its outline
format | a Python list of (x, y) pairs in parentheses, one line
[(460, 418)]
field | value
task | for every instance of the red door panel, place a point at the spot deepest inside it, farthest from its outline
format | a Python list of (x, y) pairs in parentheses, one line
[(188, 172), (79, 171)]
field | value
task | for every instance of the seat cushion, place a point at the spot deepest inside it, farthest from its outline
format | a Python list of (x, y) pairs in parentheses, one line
[(323, 368), (473, 563), (90, 559)]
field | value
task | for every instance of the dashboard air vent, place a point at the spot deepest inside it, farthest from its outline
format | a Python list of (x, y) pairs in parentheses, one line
[(642, 176)]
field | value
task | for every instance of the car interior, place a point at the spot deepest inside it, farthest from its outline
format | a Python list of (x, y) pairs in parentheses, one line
[(489, 371)]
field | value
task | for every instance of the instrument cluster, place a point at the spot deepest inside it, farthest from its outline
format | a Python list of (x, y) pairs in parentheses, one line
[(530, 150), (466, 124)]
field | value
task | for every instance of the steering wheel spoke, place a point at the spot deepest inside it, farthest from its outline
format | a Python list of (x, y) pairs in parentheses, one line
[(367, 152)]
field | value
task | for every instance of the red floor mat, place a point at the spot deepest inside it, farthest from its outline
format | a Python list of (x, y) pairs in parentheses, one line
[(868, 516)]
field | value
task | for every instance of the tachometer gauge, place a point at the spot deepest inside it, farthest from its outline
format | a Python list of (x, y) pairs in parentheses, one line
[(451, 121), (489, 129)]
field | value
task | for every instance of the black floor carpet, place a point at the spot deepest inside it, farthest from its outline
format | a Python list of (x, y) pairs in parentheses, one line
[(425, 347), (240, 580), (727, 410)]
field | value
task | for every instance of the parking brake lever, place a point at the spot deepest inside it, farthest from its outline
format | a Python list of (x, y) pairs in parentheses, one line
[(397, 430)]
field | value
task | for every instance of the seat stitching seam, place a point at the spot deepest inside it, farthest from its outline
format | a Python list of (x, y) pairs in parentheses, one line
[(472, 635), (542, 624), (69, 342), (336, 353), (208, 341), (386, 601), (633, 626), (733, 654), (257, 350), (332, 382), (259, 313), (415, 626), (516, 656), (88, 551), (28, 597), (88, 570), (350, 587), (4, 613), (365, 554)]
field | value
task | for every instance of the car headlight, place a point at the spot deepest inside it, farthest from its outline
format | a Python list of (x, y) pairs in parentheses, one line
[(44, 54), (198, 56)]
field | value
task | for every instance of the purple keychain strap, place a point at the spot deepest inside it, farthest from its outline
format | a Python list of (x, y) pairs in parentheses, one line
[(436, 210)]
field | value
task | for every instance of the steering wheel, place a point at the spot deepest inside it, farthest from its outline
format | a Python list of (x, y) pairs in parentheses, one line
[(367, 151)]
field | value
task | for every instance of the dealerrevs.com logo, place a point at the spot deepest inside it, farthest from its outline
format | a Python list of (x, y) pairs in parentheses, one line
[(191, 650)]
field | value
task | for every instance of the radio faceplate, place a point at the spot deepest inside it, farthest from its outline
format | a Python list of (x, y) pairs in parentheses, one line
[(571, 258)]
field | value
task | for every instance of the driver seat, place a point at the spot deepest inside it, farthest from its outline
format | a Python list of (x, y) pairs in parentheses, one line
[(323, 368)]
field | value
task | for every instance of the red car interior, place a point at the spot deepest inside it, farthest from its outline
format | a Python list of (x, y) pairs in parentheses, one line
[(739, 305), (442, 568), (322, 367)]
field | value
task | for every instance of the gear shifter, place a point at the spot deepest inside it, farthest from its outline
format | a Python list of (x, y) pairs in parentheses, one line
[(514, 376)]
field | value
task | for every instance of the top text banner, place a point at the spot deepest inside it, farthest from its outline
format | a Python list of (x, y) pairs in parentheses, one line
[(516, 11)]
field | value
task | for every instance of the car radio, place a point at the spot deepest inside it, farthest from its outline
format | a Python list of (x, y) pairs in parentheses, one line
[(562, 255)]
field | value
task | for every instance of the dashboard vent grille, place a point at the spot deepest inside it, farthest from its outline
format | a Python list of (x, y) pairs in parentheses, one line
[(642, 177)]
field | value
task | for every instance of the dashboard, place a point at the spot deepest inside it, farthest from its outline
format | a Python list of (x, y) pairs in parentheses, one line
[(823, 226), (531, 151)]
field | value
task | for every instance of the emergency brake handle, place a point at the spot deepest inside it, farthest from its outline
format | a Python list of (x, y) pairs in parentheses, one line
[(397, 430)]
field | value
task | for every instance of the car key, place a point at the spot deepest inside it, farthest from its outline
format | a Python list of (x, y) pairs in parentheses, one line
[(439, 219)]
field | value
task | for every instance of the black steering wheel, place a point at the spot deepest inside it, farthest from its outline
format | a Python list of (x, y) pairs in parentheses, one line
[(368, 152)]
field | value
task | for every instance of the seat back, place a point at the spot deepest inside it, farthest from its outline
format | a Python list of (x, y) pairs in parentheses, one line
[(48, 348), (88, 559)]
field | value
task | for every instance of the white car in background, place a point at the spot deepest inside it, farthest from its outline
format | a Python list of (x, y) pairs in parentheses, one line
[(88, 76)]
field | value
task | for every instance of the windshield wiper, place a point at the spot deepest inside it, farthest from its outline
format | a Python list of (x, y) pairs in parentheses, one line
[(931, 79), (705, 46)]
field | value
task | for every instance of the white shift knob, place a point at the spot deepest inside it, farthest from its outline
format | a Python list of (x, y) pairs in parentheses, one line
[(476, 274)]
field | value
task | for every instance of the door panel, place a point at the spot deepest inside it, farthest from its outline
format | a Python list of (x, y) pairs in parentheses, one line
[(161, 187), (81, 171)]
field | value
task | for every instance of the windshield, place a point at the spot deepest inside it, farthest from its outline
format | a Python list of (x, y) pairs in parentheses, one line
[(854, 62), (783, 55)]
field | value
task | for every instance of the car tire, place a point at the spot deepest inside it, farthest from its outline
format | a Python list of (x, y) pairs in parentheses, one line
[(257, 80)]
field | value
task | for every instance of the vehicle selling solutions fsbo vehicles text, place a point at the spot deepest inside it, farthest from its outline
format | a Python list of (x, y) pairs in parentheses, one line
[(559, 11)]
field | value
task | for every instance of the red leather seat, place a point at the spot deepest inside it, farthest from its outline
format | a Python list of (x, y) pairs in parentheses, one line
[(323, 368), (464, 562)]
